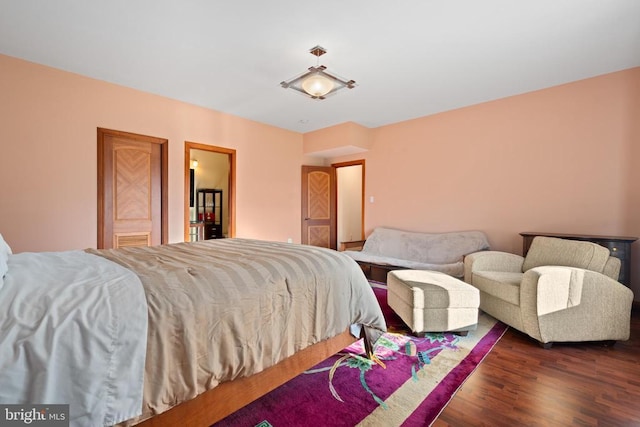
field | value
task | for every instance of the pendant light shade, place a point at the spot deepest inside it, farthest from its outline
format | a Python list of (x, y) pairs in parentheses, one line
[(317, 83)]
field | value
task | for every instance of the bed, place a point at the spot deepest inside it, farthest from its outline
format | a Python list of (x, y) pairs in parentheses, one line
[(186, 332)]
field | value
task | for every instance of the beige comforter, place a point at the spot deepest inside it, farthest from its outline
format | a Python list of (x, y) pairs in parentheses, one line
[(223, 309)]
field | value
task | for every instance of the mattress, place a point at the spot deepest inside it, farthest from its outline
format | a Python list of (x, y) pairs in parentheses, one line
[(223, 309)]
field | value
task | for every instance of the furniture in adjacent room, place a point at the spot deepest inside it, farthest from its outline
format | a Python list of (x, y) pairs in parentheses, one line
[(196, 231), (209, 211), (429, 301), (562, 291), (388, 249)]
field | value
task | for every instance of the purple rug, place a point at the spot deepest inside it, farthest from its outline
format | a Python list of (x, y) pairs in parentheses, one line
[(413, 381)]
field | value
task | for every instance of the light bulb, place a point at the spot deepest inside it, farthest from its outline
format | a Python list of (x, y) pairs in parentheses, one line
[(317, 85)]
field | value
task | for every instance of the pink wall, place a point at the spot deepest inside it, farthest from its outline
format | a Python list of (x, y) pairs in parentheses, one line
[(555, 160), (339, 136), (560, 159), (631, 202), (48, 121)]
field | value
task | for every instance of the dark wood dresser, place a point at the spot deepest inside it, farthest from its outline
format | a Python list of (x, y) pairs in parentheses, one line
[(619, 246)]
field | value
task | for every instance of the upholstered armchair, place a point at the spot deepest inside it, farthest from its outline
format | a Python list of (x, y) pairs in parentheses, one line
[(562, 291)]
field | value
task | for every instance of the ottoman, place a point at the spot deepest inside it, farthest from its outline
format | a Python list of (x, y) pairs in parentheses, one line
[(429, 301)]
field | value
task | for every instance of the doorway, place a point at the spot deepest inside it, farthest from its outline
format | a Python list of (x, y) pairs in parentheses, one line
[(333, 205), (211, 168), (350, 202)]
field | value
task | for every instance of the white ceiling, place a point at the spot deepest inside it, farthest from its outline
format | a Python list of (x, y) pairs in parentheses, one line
[(409, 58)]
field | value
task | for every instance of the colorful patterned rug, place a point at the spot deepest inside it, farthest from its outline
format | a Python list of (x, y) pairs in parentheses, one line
[(411, 383)]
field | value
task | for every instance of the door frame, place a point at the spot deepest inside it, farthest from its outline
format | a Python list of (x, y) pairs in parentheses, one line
[(188, 146), (360, 162), (164, 179)]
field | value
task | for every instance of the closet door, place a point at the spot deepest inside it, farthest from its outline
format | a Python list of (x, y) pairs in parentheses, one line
[(131, 190)]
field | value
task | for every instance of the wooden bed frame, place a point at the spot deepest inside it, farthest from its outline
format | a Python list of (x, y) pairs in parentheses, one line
[(215, 404)]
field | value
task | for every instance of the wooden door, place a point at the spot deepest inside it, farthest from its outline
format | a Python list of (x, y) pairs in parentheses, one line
[(131, 190), (319, 206)]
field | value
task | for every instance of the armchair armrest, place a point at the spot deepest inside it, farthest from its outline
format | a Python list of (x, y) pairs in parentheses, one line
[(491, 261), (572, 304), (612, 268), (554, 288)]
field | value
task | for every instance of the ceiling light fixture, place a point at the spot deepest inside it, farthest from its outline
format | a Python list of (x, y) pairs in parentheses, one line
[(317, 83)]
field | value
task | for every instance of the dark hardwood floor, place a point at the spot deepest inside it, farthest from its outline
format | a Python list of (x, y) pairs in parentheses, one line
[(521, 384)]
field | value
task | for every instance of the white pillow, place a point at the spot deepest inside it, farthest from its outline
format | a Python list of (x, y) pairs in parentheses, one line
[(5, 251)]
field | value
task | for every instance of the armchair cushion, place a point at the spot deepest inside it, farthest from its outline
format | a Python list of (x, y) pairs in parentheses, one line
[(503, 283), (491, 261), (568, 253)]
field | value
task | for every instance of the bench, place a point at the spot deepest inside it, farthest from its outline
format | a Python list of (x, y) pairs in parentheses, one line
[(388, 249)]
